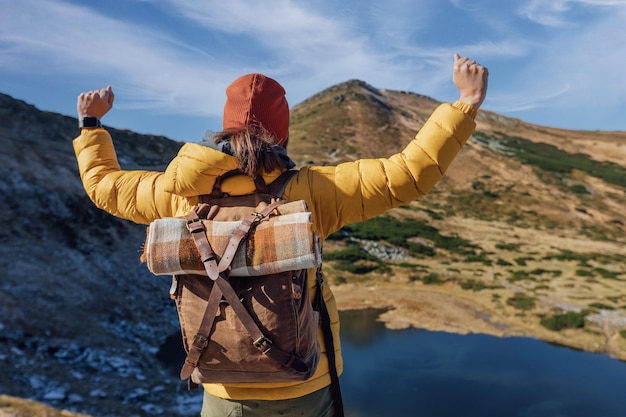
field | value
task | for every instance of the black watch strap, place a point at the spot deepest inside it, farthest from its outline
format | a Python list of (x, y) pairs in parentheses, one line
[(89, 122)]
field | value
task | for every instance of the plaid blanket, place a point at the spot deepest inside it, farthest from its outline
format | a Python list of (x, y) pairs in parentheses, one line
[(277, 244)]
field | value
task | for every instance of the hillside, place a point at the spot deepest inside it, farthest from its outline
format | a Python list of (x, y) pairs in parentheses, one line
[(527, 225)]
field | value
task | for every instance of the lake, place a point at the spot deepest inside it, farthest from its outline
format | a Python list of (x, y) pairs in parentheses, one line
[(421, 373)]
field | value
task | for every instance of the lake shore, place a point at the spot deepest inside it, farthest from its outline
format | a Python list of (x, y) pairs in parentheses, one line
[(448, 308)]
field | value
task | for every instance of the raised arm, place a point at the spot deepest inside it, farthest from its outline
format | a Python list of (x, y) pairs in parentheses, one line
[(135, 195), (355, 191)]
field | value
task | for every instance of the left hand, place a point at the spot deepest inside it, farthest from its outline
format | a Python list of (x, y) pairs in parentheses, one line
[(95, 103)]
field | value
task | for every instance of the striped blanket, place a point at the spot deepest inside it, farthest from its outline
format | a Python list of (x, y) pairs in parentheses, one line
[(277, 244)]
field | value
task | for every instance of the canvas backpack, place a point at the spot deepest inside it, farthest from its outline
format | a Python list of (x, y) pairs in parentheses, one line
[(245, 312)]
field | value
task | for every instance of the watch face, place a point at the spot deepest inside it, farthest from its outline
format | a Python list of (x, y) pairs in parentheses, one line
[(89, 122)]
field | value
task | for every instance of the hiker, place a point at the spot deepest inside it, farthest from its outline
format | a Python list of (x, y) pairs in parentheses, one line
[(254, 138)]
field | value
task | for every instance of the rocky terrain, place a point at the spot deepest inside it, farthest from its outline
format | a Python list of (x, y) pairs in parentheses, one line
[(82, 319), (527, 225)]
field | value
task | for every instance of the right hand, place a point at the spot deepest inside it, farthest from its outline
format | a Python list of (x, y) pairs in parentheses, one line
[(471, 80), (95, 103)]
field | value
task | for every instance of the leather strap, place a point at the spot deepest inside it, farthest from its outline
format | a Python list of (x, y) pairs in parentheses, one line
[(241, 233), (201, 341), (320, 305), (276, 188), (259, 183)]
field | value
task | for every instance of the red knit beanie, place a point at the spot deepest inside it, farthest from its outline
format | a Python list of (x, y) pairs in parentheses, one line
[(257, 99)]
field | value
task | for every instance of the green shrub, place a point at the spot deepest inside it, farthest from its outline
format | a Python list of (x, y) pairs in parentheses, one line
[(352, 253), (541, 271), (481, 257), (502, 262), (579, 189), (551, 159), (358, 268), (513, 247), (583, 273), (474, 285), (409, 265), (432, 278), (434, 215), (582, 259), (604, 273), (521, 302), (520, 275), (602, 306), (339, 280), (569, 320), (416, 249), (623, 333), (383, 268), (397, 232), (521, 261)]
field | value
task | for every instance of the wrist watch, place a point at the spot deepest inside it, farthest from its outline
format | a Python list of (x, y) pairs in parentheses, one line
[(89, 122)]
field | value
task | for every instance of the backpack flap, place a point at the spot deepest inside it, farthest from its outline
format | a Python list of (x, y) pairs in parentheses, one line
[(281, 241)]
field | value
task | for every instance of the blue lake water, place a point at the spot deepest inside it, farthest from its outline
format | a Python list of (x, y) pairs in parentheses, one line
[(421, 373)]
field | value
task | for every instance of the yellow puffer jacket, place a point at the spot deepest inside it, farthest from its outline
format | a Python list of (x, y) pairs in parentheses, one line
[(337, 196)]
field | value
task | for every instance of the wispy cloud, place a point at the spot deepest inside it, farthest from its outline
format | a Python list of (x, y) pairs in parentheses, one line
[(555, 12), (575, 68), (541, 54), (307, 47), (75, 41)]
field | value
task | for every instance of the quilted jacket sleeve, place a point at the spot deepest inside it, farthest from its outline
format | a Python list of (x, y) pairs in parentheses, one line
[(356, 191), (136, 195)]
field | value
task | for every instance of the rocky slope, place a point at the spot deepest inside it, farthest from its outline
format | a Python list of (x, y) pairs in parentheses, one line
[(83, 323), (80, 313)]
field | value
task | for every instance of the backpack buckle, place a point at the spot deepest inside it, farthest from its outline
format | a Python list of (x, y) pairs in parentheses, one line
[(195, 225), (200, 341), (263, 344), (258, 217)]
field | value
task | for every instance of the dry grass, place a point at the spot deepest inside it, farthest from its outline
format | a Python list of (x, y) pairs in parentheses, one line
[(17, 407), (471, 297)]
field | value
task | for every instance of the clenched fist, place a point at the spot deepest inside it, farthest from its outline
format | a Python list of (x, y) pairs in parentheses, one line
[(471, 80), (95, 103)]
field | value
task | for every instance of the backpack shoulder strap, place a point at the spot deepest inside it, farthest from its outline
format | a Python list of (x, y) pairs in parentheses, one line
[(259, 183), (277, 187)]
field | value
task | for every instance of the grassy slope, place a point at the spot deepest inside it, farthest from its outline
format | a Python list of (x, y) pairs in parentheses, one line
[(540, 209)]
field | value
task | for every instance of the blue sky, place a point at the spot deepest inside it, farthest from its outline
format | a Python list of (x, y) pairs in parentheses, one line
[(557, 63)]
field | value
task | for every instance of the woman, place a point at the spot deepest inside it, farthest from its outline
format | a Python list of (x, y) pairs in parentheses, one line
[(254, 138)]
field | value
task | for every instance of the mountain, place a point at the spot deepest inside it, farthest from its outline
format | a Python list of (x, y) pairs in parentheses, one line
[(575, 178), (527, 224), (80, 312)]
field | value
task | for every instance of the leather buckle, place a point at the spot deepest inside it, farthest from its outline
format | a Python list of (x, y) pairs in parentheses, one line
[(261, 341), (200, 341)]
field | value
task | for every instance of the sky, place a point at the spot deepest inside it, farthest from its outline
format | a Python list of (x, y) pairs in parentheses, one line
[(558, 63)]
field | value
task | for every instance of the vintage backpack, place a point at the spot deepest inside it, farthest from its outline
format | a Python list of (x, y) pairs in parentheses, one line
[(239, 266)]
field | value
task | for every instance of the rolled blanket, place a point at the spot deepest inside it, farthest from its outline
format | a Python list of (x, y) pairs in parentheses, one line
[(276, 244)]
